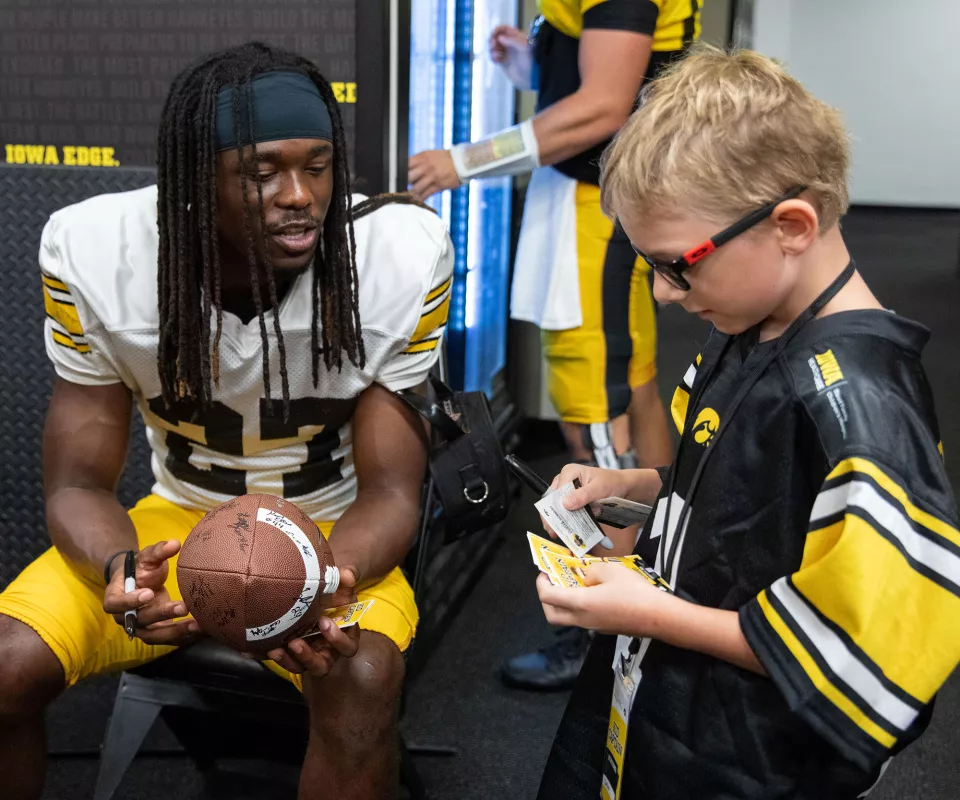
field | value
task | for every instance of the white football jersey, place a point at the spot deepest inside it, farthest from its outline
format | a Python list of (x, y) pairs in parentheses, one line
[(98, 261)]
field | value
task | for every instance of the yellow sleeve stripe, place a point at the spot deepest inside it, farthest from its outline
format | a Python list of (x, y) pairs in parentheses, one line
[(896, 616), (891, 487), (64, 313), (422, 346), (66, 341), (819, 543), (819, 680), (435, 293), (678, 407), (53, 283), (431, 321)]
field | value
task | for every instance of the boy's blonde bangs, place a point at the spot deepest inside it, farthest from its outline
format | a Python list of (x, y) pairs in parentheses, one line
[(718, 134)]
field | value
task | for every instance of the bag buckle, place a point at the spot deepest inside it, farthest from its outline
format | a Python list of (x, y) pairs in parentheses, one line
[(473, 481), (486, 494)]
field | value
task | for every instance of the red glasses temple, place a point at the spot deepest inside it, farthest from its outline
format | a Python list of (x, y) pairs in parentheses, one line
[(703, 249)]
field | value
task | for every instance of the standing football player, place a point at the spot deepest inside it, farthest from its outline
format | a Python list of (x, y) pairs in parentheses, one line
[(576, 276)]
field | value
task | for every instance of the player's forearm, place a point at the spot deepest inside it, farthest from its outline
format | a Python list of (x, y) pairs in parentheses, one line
[(575, 124), (711, 631), (376, 532), (87, 526)]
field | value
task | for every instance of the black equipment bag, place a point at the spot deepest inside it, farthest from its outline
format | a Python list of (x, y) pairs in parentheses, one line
[(468, 470)]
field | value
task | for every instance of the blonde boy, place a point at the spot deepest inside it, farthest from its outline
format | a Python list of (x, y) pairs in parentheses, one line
[(806, 525)]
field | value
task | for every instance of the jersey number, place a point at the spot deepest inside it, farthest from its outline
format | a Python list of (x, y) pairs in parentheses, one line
[(223, 431)]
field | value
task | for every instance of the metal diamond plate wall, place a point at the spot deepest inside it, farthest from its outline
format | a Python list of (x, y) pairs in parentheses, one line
[(28, 195)]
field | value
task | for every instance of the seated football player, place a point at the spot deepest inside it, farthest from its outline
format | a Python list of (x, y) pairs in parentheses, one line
[(262, 333)]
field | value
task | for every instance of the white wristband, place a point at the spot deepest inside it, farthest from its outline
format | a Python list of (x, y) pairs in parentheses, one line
[(331, 580), (511, 151)]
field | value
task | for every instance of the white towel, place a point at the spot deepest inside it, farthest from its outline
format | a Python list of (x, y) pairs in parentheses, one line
[(546, 280)]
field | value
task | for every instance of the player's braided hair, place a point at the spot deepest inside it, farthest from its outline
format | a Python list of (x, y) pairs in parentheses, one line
[(371, 204), (189, 257)]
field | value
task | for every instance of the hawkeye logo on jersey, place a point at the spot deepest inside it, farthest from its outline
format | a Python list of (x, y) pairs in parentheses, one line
[(706, 426), (826, 371)]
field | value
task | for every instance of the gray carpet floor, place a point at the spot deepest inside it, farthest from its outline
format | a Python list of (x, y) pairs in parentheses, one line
[(912, 260)]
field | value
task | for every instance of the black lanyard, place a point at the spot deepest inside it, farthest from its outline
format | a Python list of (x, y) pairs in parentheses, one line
[(699, 388)]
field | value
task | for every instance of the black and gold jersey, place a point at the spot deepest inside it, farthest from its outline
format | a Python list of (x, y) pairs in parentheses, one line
[(826, 520), (672, 24)]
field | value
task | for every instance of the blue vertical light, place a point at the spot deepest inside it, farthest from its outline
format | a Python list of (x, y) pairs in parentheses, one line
[(457, 94), (460, 200)]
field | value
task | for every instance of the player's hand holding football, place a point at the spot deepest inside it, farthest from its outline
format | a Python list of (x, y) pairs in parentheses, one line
[(615, 600), (160, 619), (317, 655)]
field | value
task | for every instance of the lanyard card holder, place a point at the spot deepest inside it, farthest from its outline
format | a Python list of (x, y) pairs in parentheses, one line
[(626, 680)]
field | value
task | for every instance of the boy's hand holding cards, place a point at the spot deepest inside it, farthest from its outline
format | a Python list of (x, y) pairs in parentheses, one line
[(566, 570), (576, 529)]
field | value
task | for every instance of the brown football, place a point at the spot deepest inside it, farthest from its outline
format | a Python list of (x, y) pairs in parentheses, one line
[(253, 573)]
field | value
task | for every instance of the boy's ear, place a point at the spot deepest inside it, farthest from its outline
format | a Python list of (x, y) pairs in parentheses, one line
[(797, 225)]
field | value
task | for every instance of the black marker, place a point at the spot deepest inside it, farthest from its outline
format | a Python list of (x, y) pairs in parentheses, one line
[(130, 585), (538, 485), (526, 474)]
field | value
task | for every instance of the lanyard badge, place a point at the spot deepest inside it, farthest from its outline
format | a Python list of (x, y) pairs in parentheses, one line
[(626, 680)]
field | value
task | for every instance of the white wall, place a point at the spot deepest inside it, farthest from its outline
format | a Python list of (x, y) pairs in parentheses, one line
[(715, 21), (893, 69)]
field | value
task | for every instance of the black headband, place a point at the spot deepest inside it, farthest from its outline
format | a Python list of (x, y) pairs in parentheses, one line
[(285, 105)]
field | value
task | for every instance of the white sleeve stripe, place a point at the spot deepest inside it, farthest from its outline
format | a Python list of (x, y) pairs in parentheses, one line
[(863, 495), (829, 502), (64, 298), (76, 337), (844, 664)]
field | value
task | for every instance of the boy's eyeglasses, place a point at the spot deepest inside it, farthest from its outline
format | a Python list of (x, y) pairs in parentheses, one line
[(673, 271)]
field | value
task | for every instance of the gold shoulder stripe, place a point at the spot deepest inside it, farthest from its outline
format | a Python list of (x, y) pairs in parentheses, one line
[(678, 407), (53, 283), (435, 293), (64, 313), (66, 341), (431, 321), (422, 346)]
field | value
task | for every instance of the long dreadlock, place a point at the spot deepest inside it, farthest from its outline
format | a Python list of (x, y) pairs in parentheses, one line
[(190, 284)]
